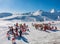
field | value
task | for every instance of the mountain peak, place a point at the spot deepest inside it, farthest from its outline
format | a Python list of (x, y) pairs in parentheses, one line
[(38, 12), (52, 11)]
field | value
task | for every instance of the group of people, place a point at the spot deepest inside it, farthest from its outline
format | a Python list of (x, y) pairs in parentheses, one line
[(16, 31), (44, 26), (49, 27), (19, 29)]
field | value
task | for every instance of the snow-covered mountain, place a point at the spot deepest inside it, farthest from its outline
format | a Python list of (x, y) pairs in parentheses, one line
[(53, 11), (38, 12), (38, 15)]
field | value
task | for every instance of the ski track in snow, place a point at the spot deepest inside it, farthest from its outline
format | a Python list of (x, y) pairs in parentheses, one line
[(33, 37)]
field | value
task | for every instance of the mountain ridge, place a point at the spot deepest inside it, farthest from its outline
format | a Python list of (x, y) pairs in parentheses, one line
[(38, 15)]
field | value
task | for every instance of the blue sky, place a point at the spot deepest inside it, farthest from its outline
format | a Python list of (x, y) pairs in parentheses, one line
[(28, 5)]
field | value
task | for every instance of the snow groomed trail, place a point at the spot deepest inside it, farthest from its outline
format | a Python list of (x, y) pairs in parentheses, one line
[(32, 37)]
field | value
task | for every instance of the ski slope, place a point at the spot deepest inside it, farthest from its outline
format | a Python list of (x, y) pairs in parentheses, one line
[(32, 37)]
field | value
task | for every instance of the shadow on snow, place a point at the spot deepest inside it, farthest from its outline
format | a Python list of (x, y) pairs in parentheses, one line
[(23, 38), (55, 30)]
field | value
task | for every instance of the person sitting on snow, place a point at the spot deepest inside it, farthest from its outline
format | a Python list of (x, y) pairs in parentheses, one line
[(55, 28)]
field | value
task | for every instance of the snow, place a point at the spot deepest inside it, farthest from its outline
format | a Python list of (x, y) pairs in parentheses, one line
[(39, 12), (52, 11), (34, 36), (13, 16)]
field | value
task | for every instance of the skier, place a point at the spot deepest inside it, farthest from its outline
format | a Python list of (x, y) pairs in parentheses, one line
[(11, 30), (17, 24), (17, 27), (20, 33)]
